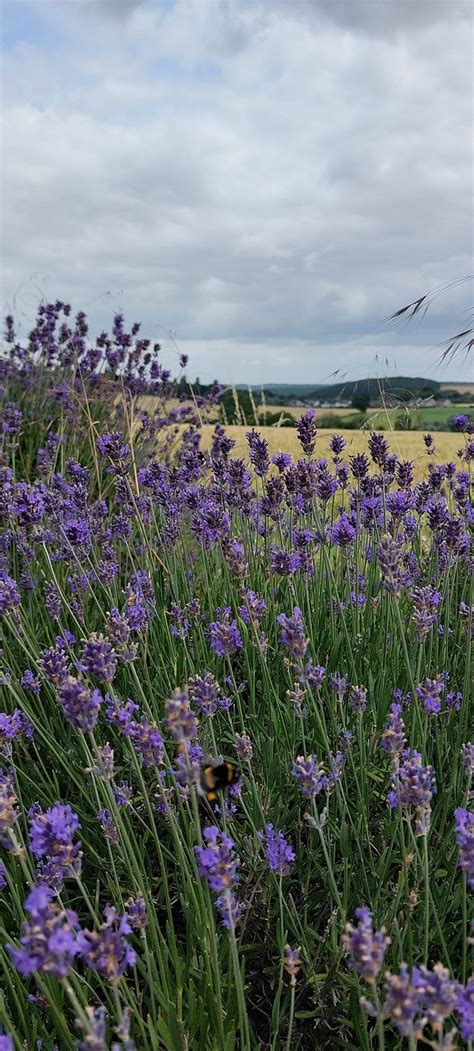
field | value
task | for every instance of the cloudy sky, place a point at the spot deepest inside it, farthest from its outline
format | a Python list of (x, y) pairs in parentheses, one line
[(265, 179)]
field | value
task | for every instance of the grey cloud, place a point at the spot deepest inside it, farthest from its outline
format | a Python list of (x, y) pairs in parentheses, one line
[(269, 217)]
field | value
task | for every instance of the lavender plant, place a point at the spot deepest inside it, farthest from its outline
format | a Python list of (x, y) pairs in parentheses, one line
[(169, 610)]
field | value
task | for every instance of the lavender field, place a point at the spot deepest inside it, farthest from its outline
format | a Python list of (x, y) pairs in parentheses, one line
[(236, 721)]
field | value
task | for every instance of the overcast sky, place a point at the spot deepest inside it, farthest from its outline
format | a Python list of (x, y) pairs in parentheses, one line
[(267, 179)]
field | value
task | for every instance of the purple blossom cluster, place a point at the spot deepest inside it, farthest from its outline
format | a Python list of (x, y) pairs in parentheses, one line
[(218, 865), (279, 854), (144, 736)]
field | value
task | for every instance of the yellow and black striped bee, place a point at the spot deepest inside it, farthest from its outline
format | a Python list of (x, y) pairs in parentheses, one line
[(217, 777)]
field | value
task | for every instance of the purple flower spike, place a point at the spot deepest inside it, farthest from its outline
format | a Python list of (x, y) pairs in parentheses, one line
[(292, 633), (50, 939), (279, 853), (310, 776), (224, 635), (306, 428), (465, 842), (80, 705), (218, 864), (107, 950), (366, 946), (98, 658)]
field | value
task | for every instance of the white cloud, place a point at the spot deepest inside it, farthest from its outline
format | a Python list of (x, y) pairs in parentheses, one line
[(266, 179)]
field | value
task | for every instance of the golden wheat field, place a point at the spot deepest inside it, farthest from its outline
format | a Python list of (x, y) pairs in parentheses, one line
[(408, 445)]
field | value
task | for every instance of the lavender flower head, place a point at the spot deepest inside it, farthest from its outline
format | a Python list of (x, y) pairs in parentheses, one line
[(52, 834), (218, 864), (51, 938), (180, 721), (224, 635), (107, 950), (402, 1001), (389, 556), (413, 788), (8, 811), (467, 755), (292, 633), (306, 428), (310, 776), (13, 727), (430, 692), (425, 610), (465, 1009), (80, 705), (366, 946), (136, 912), (99, 658), (259, 456), (291, 963), (279, 853), (393, 739), (465, 841)]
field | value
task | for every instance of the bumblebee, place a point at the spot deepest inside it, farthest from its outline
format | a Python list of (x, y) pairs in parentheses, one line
[(217, 777)]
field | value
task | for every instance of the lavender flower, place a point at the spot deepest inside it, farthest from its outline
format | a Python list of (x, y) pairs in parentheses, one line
[(358, 698), (30, 682), (259, 456), (313, 675), (99, 658), (430, 692), (465, 1009), (402, 1001), (343, 533), (282, 461), (218, 864), (54, 664), (6, 1042), (366, 946), (52, 834), (279, 853), (393, 739), (292, 633), (145, 737), (3, 878), (378, 448), (8, 811), (243, 746), (310, 776), (465, 841), (205, 693), (224, 635), (14, 726), (285, 563), (306, 428), (11, 419), (413, 788), (467, 755), (180, 721), (50, 939), (389, 556), (107, 950), (10, 597), (80, 705), (108, 826), (425, 610), (291, 963), (437, 991), (136, 912)]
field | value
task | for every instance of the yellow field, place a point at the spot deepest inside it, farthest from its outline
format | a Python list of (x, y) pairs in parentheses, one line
[(408, 445)]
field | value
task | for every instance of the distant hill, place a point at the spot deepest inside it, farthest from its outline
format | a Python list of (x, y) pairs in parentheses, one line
[(398, 388)]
